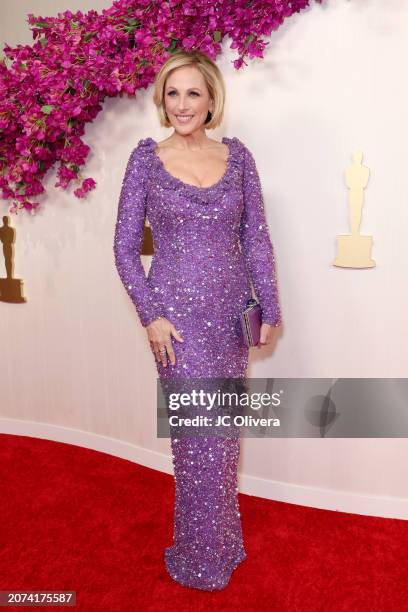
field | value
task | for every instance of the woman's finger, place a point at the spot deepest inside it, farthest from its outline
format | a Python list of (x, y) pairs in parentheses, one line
[(170, 352), (177, 334), (156, 350), (161, 351)]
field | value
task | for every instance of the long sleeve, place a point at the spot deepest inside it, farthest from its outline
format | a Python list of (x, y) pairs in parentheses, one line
[(256, 243), (128, 240)]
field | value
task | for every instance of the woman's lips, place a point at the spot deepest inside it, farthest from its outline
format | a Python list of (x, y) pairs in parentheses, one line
[(184, 118)]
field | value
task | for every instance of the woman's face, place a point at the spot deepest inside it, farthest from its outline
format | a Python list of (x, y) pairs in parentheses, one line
[(186, 94)]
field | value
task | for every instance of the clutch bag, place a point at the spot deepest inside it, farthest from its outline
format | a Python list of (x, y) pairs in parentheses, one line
[(251, 320)]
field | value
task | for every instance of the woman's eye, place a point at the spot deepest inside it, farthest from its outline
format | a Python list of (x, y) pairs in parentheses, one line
[(194, 93)]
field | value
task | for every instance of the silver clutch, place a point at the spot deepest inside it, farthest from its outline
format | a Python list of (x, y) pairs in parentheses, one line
[(251, 321)]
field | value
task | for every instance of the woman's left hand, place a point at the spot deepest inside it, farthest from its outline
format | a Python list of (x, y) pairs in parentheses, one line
[(267, 334)]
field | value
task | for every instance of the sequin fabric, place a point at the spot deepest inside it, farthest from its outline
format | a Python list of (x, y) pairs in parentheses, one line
[(209, 243)]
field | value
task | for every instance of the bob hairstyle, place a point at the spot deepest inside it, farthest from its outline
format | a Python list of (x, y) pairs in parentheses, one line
[(212, 76)]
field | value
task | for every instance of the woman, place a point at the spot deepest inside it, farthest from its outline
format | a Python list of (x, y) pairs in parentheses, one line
[(204, 203)]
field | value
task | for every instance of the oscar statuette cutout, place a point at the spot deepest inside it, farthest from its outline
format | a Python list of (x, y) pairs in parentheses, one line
[(11, 289), (354, 250)]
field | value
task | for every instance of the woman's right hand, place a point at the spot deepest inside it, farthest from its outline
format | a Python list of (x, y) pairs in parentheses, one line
[(159, 333)]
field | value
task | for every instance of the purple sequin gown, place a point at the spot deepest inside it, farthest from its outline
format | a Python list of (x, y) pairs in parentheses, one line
[(209, 242)]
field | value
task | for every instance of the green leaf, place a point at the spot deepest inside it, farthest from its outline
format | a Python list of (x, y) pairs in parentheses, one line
[(42, 24), (47, 108), (43, 41), (172, 45), (217, 36)]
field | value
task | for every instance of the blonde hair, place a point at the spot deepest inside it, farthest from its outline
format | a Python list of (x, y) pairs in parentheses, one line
[(212, 76)]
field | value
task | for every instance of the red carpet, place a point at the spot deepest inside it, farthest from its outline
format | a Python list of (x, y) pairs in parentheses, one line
[(75, 519)]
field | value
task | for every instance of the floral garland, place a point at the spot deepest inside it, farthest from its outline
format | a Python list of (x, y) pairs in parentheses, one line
[(57, 85)]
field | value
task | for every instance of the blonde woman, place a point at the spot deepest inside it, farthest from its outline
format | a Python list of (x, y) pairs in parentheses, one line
[(204, 202)]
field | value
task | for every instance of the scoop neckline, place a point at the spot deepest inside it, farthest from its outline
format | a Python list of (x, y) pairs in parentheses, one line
[(176, 180)]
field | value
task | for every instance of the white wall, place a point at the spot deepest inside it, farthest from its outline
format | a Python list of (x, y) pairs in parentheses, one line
[(75, 361)]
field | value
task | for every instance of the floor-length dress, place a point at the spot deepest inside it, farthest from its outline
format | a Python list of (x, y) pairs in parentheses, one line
[(209, 243)]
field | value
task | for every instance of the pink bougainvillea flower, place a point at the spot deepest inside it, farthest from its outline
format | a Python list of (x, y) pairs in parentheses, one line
[(49, 91)]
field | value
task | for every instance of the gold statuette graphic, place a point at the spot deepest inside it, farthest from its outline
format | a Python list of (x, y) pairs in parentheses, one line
[(354, 250), (11, 289), (147, 242)]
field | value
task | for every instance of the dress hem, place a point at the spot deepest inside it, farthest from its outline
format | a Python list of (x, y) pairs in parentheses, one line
[(213, 585)]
